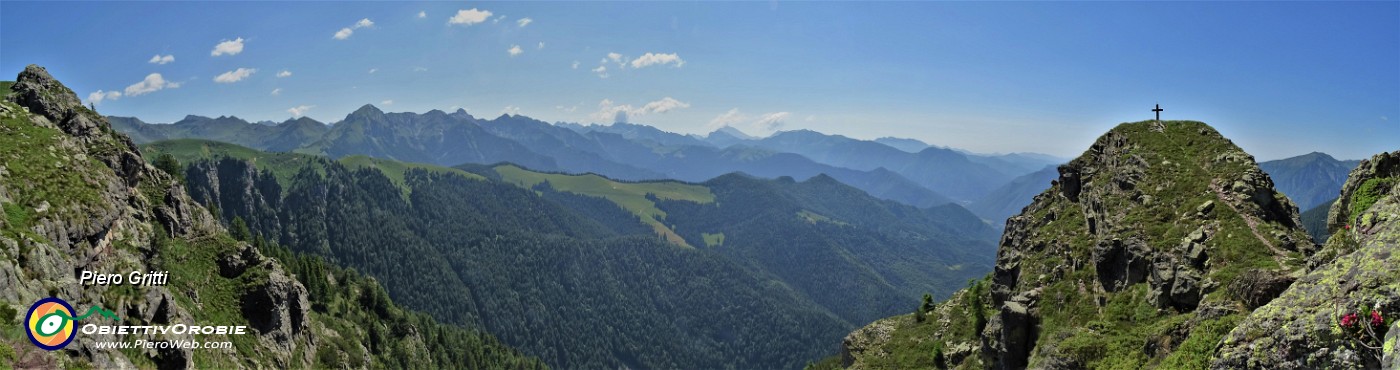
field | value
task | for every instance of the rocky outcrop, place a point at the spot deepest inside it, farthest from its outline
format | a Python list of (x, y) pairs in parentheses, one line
[(1141, 209), (1304, 328), (866, 342), (78, 196), (237, 189), (36, 90)]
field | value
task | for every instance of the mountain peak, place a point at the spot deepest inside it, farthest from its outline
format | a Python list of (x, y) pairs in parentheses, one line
[(1173, 222), (368, 109), (731, 131), (41, 93)]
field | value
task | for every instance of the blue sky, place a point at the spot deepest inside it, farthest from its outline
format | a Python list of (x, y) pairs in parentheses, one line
[(1280, 78)]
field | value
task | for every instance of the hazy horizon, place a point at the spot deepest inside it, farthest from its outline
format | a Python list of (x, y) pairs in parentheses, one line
[(1281, 79)]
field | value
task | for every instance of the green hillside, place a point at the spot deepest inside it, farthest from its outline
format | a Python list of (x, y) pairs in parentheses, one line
[(632, 196)]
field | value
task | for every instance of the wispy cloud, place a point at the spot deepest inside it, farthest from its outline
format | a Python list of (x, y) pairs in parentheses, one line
[(602, 71), (651, 59), (469, 17), (422, 14), (511, 110), (152, 83), (540, 46), (277, 91), (608, 110), (345, 33), (234, 75), (524, 21), (161, 59), (387, 102), (575, 65), (228, 47), (764, 124), (284, 73), (514, 50), (299, 110)]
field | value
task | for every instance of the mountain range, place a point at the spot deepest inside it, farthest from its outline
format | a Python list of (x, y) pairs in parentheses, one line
[(928, 177), (499, 244)]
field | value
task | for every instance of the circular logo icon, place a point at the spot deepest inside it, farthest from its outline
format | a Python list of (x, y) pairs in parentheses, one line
[(50, 323)]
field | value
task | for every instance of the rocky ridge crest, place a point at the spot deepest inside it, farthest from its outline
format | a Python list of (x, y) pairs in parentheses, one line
[(78, 196)]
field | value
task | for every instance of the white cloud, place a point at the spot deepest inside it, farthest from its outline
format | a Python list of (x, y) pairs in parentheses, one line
[(422, 14), (387, 102), (664, 105), (161, 59), (514, 50), (511, 110), (498, 19), (152, 83), (284, 73), (524, 21), (277, 91), (235, 75), (726, 119), (98, 96), (575, 65), (345, 33), (372, 70), (299, 110), (469, 17), (621, 61), (602, 71), (540, 46), (420, 69), (228, 47), (650, 59), (764, 124), (608, 110), (771, 122)]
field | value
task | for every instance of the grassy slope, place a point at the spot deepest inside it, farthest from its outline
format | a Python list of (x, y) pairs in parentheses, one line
[(631, 196)]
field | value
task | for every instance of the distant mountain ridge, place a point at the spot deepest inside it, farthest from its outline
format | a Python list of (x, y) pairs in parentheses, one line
[(1312, 179), (626, 151)]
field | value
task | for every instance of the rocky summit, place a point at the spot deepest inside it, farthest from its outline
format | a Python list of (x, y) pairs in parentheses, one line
[(1146, 251)]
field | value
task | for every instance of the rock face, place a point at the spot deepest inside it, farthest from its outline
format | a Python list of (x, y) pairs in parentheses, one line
[(1303, 328), (78, 196), (1123, 261), (1138, 208)]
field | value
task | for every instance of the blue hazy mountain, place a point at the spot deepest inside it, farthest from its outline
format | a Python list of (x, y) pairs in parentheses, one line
[(1310, 180)]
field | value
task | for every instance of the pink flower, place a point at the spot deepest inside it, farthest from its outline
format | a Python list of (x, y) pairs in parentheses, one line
[(1350, 320), (1376, 319)]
